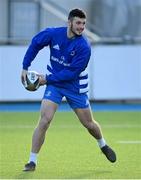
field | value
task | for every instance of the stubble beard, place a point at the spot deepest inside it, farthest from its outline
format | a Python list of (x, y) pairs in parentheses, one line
[(74, 33)]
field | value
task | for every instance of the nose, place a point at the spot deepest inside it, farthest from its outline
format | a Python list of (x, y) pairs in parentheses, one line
[(82, 27)]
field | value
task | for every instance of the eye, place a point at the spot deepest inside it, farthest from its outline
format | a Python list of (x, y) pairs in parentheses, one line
[(78, 22)]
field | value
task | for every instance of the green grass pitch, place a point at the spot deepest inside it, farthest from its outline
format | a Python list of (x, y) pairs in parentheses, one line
[(69, 152)]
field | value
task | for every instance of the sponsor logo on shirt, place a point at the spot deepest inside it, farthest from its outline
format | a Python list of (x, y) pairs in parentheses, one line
[(63, 58), (59, 61)]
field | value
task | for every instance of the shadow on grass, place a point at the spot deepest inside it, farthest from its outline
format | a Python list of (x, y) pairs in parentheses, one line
[(83, 175), (92, 174), (25, 175)]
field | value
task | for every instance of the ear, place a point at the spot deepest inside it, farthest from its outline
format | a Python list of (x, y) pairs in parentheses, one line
[(69, 23)]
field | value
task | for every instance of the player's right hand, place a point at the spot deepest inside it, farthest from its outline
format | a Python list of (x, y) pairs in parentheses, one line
[(23, 77)]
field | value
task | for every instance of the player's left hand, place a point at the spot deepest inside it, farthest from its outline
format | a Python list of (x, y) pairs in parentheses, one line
[(42, 79)]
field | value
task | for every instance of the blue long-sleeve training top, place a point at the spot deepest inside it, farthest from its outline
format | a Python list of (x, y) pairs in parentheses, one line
[(69, 58)]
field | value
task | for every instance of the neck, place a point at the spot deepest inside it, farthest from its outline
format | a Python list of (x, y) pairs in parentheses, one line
[(70, 34)]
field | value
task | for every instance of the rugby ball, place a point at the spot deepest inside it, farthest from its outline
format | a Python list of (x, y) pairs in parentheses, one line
[(32, 81)]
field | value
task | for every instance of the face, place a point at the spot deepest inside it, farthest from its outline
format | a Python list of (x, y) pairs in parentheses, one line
[(76, 26)]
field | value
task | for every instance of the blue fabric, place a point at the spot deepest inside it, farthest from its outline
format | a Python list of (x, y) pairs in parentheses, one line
[(75, 100), (68, 58)]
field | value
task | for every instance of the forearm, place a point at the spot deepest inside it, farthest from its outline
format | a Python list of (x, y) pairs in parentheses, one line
[(62, 76)]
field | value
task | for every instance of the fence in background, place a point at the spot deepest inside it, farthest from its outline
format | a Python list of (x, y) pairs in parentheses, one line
[(114, 73), (108, 21)]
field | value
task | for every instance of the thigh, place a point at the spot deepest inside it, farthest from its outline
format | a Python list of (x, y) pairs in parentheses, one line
[(48, 109), (84, 115)]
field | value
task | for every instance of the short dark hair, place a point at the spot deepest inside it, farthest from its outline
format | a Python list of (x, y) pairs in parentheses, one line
[(76, 13)]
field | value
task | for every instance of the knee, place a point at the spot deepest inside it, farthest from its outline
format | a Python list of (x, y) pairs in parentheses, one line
[(47, 117), (89, 125), (43, 125), (45, 121)]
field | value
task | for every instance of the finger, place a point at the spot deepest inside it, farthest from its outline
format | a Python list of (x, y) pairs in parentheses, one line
[(23, 79)]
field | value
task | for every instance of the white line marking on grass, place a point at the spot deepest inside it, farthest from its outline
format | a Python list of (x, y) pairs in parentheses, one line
[(16, 126), (129, 142), (121, 126), (69, 126)]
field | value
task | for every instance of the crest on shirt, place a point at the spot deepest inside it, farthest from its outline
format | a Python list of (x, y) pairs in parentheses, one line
[(72, 53)]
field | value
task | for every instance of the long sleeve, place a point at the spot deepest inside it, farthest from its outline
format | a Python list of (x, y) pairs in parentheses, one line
[(41, 40)]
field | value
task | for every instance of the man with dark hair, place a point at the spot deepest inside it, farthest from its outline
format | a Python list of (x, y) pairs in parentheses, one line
[(76, 13), (66, 77)]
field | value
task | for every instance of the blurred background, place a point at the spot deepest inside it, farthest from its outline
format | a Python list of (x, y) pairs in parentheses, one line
[(113, 28)]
